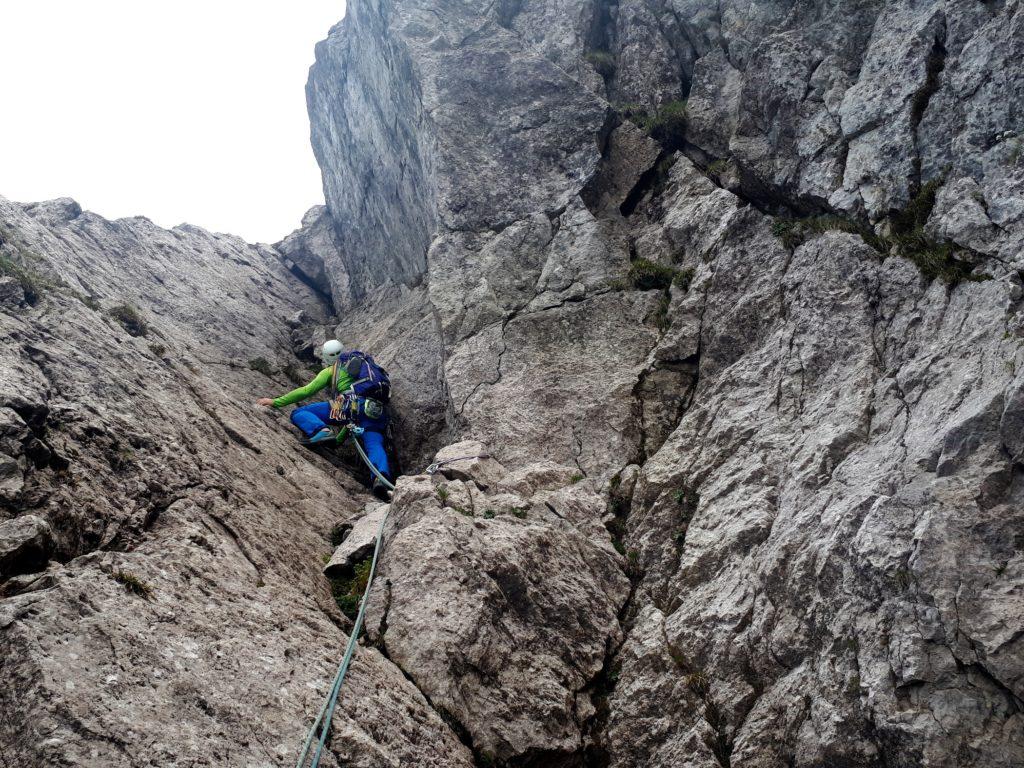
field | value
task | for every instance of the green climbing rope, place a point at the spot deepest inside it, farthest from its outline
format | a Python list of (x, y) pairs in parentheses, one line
[(322, 725), (366, 459)]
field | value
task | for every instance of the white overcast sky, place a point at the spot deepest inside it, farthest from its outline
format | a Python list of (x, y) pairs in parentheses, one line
[(185, 111)]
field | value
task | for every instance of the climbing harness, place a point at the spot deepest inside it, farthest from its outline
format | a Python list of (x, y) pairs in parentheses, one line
[(322, 724), (434, 468)]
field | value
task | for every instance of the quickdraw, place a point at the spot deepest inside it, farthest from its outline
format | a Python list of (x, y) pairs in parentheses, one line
[(346, 408), (434, 468)]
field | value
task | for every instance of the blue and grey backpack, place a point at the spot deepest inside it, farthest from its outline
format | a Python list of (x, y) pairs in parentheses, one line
[(369, 379)]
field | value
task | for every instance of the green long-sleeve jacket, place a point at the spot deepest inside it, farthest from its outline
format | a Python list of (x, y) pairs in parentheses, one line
[(323, 379)]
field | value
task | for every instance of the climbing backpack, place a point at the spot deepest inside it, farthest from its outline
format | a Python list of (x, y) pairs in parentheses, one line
[(368, 378)]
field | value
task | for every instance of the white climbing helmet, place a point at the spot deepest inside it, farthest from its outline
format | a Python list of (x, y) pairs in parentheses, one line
[(331, 352)]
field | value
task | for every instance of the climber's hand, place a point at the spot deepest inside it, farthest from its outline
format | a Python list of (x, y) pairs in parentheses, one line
[(265, 401)]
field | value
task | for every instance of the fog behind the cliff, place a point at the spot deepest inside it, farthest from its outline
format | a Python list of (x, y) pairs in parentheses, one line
[(187, 111)]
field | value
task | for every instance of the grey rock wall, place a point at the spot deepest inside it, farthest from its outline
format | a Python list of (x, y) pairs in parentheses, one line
[(826, 538), (803, 445), (160, 537), (764, 513)]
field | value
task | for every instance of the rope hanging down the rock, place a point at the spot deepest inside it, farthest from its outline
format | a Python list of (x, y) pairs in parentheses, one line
[(322, 724), (366, 459)]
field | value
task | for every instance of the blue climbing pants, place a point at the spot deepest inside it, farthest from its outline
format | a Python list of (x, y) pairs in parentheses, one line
[(315, 416)]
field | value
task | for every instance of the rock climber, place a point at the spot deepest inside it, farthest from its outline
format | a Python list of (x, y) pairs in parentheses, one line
[(360, 390)]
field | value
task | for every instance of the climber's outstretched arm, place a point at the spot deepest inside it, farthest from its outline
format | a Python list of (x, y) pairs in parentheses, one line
[(322, 380)]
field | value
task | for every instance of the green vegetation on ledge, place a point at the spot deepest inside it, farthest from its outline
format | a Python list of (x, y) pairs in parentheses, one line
[(133, 584), (647, 275), (906, 238), (602, 61), (130, 319), (667, 124), (15, 261), (347, 591)]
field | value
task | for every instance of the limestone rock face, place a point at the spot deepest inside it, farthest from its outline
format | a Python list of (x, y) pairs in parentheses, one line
[(501, 606), (726, 413), (519, 273), (851, 105), (823, 536), (781, 426), (161, 537)]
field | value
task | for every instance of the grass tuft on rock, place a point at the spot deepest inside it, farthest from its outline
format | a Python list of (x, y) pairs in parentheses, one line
[(632, 568), (698, 683), (31, 282), (683, 278), (718, 167), (906, 238), (15, 259), (130, 319), (133, 584), (935, 258), (646, 275), (915, 214), (795, 232), (347, 591), (339, 531), (661, 317), (667, 124)]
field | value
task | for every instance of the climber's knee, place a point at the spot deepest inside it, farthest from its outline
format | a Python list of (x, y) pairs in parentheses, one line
[(311, 418)]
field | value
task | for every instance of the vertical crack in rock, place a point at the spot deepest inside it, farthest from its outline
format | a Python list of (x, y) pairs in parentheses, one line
[(934, 66)]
